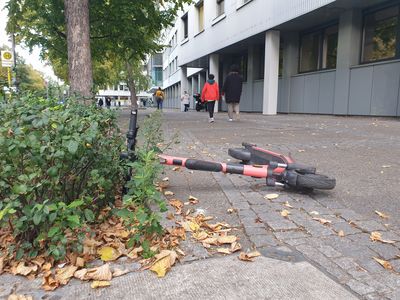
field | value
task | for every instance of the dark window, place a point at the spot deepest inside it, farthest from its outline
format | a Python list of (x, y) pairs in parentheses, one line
[(220, 7), (381, 35), (259, 62), (242, 59), (319, 49), (185, 26)]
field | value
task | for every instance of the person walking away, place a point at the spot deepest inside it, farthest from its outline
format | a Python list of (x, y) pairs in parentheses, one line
[(232, 89), (210, 94), (159, 98), (108, 102), (185, 100)]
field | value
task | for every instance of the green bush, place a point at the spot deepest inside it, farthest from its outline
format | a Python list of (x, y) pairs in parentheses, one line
[(59, 165)]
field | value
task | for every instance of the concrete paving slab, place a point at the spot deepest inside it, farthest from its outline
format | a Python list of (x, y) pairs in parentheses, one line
[(222, 278)]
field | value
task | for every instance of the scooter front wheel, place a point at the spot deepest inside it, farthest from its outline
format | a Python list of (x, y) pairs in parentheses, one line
[(315, 181)]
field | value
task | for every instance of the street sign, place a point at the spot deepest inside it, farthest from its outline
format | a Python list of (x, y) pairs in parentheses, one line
[(7, 59)]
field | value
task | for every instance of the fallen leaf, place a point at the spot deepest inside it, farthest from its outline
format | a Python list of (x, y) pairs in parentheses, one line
[(386, 166), (322, 221), (224, 250), (170, 216), (287, 205), (80, 262), (49, 283), (25, 270), (168, 193), (135, 253), (341, 233), (108, 253), (65, 274), (163, 263), (190, 226), (102, 273), (193, 200), (97, 284), (285, 213), (176, 168), (81, 274), (210, 241), (235, 247), (177, 204), (301, 150), (118, 272), (178, 232), (384, 263), (230, 210), (19, 297), (1, 264), (377, 237), (271, 196), (314, 213), (200, 235), (165, 179), (249, 256), (382, 215), (229, 239)]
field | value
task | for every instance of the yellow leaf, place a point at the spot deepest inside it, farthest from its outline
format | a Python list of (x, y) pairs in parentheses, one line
[(108, 253), (235, 247), (164, 261), (384, 263), (80, 262), (341, 233), (97, 284), (322, 221), (271, 196), (200, 235), (376, 236), (382, 215), (190, 226), (224, 250), (285, 213), (65, 274), (229, 239), (25, 270)]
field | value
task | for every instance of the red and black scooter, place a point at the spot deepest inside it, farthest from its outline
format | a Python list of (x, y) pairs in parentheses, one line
[(277, 169)]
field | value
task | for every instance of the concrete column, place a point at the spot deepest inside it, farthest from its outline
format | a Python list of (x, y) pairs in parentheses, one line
[(271, 72), (348, 54), (290, 67), (214, 69)]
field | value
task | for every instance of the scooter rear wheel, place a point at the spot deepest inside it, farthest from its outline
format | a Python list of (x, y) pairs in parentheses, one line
[(315, 181)]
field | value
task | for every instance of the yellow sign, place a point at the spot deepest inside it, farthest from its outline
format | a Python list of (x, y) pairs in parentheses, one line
[(7, 59)]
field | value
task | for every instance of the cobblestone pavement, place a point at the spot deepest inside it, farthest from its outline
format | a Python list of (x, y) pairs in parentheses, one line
[(360, 152)]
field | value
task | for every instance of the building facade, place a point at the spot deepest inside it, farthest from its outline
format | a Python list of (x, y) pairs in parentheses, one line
[(338, 57)]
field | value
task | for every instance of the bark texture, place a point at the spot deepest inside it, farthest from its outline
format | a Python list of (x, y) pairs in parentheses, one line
[(79, 57)]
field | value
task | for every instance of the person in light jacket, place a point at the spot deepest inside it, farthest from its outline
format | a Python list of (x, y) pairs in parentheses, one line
[(232, 89), (185, 100), (210, 94)]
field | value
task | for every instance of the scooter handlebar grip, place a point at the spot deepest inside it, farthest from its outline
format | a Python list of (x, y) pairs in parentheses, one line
[(202, 165), (302, 168)]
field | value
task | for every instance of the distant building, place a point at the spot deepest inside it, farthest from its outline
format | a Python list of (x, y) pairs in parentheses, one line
[(118, 93), (338, 57)]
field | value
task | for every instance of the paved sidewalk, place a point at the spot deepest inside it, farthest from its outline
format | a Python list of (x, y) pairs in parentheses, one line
[(360, 152)]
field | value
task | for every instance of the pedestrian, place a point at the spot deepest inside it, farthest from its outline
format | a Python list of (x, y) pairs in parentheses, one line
[(100, 103), (108, 102), (210, 94), (185, 100), (159, 98), (232, 89)]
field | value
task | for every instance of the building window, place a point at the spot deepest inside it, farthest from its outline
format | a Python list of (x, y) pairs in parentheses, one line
[(200, 13), (185, 26), (220, 7), (381, 35), (318, 49)]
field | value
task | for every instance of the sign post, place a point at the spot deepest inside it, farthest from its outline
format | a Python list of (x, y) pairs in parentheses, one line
[(7, 61)]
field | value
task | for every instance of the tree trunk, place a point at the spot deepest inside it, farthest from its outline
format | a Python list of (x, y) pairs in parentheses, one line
[(131, 85), (79, 57)]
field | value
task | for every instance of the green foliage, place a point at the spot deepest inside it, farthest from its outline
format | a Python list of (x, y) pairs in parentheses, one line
[(142, 193), (59, 165)]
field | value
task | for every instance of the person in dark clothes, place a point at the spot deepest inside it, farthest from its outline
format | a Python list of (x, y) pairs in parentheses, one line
[(210, 94), (232, 89), (108, 102)]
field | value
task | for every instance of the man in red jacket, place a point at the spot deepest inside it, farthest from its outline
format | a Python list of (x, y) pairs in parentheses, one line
[(210, 94)]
